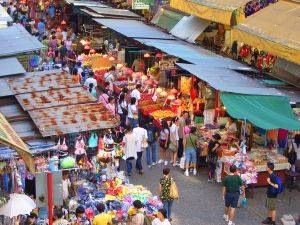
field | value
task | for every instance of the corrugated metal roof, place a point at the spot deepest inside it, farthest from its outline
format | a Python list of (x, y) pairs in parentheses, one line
[(92, 14), (85, 3), (107, 11), (134, 29), (51, 98), (16, 39), (229, 80), (4, 88), (50, 80), (72, 118), (10, 66)]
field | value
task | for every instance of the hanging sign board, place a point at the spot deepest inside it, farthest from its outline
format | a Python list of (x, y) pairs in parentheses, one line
[(138, 4)]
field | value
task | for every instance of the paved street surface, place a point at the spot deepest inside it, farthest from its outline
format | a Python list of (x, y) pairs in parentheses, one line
[(201, 204)]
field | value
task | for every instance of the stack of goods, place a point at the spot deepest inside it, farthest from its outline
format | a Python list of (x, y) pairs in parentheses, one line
[(162, 114), (261, 156), (246, 168), (118, 196)]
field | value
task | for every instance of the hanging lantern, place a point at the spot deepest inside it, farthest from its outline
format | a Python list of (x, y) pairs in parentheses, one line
[(147, 55), (86, 47), (158, 55)]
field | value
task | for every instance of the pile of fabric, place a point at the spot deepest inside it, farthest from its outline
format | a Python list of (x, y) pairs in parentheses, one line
[(246, 168), (116, 193)]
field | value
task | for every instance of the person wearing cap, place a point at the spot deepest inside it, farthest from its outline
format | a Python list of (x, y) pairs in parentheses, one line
[(213, 147), (139, 216)]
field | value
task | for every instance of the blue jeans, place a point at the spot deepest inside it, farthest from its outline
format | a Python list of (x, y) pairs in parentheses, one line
[(133, 122), (151, 150), (167, 206), (129, 165), (190, 156), (138, 164)]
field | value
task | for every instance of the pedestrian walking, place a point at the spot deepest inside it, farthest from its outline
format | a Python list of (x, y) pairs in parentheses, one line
[(189, 143), (136, 93), (161, 218), (185, 115), (164, 141), (122, 109), (129, 141), (272, 193), (111, 105), (212, 157), (174, 139), (294, 153), (141, 139), (132, 113), (92, 90), (152, 149), (164, 191), (232, 185)]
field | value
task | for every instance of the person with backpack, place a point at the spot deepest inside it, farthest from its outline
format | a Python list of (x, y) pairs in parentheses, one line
[(232, 184), (152, 149), (189, 143), (275, 187)]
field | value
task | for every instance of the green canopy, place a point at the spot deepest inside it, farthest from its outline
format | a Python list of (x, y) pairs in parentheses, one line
[(265, 111), (168, 19)]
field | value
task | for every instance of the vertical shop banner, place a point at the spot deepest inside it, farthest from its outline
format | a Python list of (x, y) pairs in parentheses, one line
[(139, 4), (10, 138)]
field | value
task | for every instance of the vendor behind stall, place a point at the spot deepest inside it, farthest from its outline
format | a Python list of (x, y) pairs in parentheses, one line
[(231, 126)]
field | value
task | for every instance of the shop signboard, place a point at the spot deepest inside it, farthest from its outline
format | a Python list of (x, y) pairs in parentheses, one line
[(138, 5), (10, 138), (41, 189)]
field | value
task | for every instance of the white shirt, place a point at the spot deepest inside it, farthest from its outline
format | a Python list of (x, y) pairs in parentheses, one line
[(65, 185), (136, 94), (131, 110), (90, 80), (123, 105), (140, 134), (174, 133), (157, 221), (164, 134), (297, 150), (129, 148)]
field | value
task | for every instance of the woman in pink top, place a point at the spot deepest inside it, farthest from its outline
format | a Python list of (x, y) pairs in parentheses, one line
[(111, 106), (103, 97), (187, 127)]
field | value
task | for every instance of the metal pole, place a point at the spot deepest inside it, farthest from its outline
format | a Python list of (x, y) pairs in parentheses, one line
[(50, 197)]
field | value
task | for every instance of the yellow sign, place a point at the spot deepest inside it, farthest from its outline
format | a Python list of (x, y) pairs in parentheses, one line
[(10, 138)]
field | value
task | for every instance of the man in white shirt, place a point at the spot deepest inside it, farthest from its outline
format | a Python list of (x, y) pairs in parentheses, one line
[(141, 142), (90, 79), (136, 93)]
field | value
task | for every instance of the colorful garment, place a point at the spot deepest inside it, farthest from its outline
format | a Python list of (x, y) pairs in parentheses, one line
[(165, 188)]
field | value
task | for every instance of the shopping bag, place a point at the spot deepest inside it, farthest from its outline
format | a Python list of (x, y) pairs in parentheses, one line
[(182, 162), (174, 190)]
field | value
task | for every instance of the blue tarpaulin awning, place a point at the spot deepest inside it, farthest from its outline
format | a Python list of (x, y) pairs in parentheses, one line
[(134, 29), (193, 54), (228, 80)]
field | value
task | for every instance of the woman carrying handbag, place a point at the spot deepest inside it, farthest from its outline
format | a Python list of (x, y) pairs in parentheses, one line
[(168, 191)]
